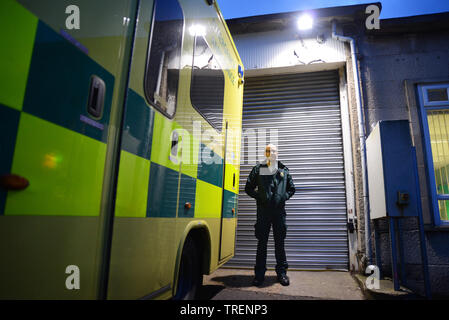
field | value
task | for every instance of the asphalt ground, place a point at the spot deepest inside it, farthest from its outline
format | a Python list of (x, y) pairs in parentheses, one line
[(236, 284)]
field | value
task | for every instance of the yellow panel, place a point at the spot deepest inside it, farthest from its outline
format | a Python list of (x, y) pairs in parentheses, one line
[(228, 237), (64, 168), (142, 258), (36, 250), (132, 187), (207, 200), (229, 178), (18, 31)]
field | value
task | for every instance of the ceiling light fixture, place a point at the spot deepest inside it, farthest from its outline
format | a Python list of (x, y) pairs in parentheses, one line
[(305, 22)]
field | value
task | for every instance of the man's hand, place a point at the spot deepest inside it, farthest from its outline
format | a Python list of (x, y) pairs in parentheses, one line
[(279, 200)]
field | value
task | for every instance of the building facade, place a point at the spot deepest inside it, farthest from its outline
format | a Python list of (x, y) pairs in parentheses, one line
[(318, 94)]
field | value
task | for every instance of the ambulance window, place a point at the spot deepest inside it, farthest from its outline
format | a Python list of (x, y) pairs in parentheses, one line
[(207, 85), (164, 56)]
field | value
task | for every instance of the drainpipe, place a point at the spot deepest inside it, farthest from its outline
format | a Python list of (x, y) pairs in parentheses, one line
[(361, 124)]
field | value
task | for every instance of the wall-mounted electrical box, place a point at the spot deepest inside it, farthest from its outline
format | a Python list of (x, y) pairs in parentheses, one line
[(391, 172)]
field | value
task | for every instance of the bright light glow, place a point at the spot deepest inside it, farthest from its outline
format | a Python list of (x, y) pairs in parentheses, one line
[(52, 160), (197, 30), (305, 22)]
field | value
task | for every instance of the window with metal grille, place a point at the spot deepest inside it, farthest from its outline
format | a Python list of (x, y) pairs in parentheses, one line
[(164, 56), (207, 85), (435, 118)]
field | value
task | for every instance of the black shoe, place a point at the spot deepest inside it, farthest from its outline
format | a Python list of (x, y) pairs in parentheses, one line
[(257, 282), (283, 279)]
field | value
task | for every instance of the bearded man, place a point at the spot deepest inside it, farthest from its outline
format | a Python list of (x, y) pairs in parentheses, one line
[(271, 184)]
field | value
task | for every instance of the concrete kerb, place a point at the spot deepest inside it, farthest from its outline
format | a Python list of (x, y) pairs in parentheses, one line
[(386, 290)]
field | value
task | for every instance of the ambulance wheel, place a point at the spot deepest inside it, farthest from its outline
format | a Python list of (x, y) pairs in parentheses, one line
[(189, 279)]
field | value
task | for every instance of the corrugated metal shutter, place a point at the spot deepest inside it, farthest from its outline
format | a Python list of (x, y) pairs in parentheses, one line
[(305, 109)]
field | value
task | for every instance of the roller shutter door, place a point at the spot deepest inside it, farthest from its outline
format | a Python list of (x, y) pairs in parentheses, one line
[(305, 109)]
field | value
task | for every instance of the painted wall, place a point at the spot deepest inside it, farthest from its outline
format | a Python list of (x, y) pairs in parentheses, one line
[(390, 66)]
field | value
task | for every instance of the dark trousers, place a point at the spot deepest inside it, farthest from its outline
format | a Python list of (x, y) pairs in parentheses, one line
[(265, 219)]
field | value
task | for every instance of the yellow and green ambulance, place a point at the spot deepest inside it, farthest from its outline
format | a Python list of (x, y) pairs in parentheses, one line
[(119, 147)]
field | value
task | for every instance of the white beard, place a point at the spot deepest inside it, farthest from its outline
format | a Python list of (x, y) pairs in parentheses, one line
[(273, 164)]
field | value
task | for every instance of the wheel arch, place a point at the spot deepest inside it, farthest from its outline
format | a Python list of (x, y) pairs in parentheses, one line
[(200, 232)]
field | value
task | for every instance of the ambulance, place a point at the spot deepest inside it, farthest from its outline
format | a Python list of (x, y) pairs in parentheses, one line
[(120, 143)]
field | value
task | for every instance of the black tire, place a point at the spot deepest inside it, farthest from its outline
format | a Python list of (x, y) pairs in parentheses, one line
[(189, 278)]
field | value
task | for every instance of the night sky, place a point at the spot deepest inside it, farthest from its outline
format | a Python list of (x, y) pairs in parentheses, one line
[(390, 8)]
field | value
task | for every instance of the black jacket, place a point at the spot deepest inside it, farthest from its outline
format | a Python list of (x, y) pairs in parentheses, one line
[(272, 190)]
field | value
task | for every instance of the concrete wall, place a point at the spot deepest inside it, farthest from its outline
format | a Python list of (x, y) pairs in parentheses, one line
[(361, 254), (275, 49), (390, 67)]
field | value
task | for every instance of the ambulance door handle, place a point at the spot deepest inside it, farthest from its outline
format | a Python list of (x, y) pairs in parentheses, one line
[(174, 147), (97, 91)]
